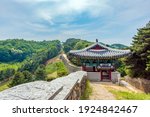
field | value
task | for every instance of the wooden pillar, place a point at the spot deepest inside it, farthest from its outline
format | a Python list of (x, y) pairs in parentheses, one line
[(84, 68), (101, 75), (94, 69)]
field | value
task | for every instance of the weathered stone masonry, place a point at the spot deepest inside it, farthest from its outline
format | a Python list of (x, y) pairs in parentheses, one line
[(139, 83), (70, 87)]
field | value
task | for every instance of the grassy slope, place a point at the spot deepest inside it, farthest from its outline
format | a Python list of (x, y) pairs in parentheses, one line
[(128, 95), (15, 66), (52, 69), (124, 95), (5, 85)]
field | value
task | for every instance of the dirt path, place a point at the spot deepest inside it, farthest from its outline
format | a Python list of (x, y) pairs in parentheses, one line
[(100, 92)]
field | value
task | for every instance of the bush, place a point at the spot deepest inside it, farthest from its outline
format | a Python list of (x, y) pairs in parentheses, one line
[(62, 72), (87, 92), (18, 79), (40, 73)]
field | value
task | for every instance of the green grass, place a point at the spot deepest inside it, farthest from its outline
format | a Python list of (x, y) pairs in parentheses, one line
[(4, 66), (87, 92), (52, 76), (124, 95), (55, 70), (50, 68), (5, 85)]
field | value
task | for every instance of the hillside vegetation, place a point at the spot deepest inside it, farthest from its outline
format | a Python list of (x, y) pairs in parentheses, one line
[(118, 46), (75, 44), (55, 70), (25, 59), (138, 63)]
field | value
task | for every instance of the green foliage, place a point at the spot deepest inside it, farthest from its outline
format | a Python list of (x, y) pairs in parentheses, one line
[(21, 77), (119, 46), (82, 44), (18, 79), (51, 76), (7, 73), (28, 77), (69, 44), (55, 70), (61, 69), (75, 44), (5, 85), (50, 68), (18, 50), (40, 73), (138, 64), (120, 65), (31, 55), (87, 92), (41, 56), (124, 95)]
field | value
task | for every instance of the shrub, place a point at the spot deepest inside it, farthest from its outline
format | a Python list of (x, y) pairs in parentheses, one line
[(87, 92)]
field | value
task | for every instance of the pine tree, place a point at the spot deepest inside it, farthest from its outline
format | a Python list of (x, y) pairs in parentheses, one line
[(27, 76), (138, 64), (40, 73), (18, 79)]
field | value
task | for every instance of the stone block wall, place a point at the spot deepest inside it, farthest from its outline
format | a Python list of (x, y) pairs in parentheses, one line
[(71, 67), (70, 87), (74, 86), (139, 83)]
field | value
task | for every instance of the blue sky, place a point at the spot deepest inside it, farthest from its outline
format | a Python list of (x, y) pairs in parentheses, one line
[(111, 21)]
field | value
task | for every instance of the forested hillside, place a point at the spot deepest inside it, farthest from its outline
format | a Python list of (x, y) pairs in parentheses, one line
[(24, 61), (119, 46), (15, 50), (77, 44), (22, 55)]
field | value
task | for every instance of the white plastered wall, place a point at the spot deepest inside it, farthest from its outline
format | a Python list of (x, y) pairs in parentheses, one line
[(115, 76), (94, 76)]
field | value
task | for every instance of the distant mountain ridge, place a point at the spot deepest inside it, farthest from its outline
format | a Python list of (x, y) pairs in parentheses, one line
[(119, 46), (77, 44)]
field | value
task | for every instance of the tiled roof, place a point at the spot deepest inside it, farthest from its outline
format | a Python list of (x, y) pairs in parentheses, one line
[(106, 53)]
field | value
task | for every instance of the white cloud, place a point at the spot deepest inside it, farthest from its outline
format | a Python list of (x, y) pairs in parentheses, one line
[(109, 20), (36, 1), (71, 8)]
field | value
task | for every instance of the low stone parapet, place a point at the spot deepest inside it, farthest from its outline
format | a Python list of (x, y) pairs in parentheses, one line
[(69, 87), (68, 64)]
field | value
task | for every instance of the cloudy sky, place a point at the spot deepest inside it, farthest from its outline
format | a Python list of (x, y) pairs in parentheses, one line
[(111, 21)]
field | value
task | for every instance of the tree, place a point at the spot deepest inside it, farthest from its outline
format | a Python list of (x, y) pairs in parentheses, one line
[(61, 69), (40, 73), (27, 76), (18, 79), (138, 63), (9, 72)]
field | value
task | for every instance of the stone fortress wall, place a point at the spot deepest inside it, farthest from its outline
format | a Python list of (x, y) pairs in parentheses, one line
[(71, 67), (139, 83), (70, 87)]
